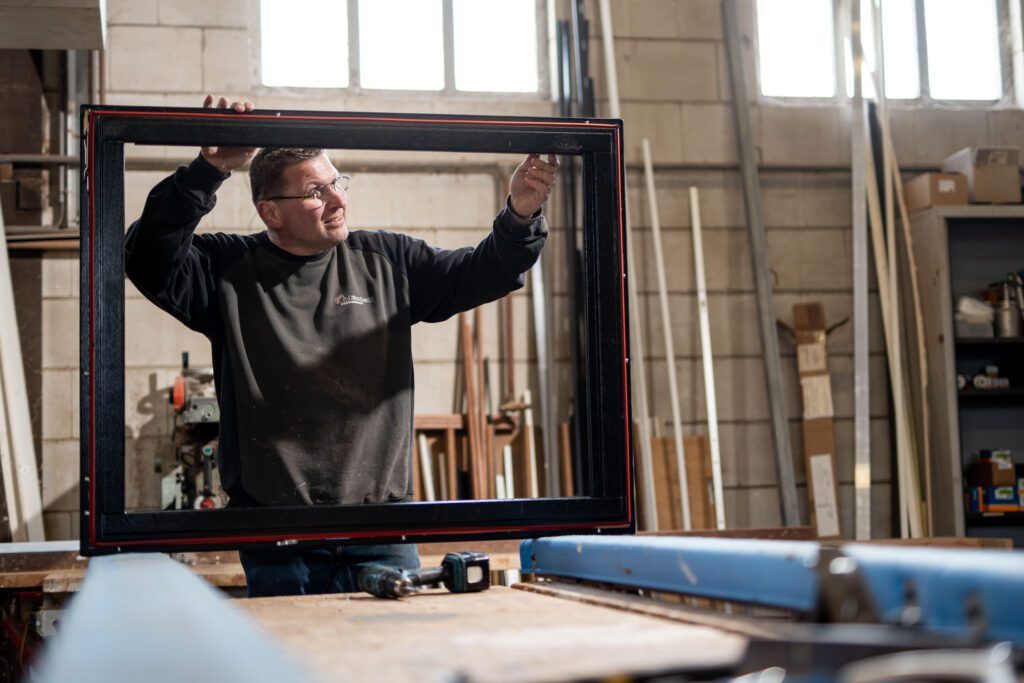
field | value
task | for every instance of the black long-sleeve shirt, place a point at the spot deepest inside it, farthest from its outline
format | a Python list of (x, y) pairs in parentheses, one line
[(312, 355)]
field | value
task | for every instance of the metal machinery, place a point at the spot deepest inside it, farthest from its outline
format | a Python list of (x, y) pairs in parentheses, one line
[(193, 482), (813, 612)]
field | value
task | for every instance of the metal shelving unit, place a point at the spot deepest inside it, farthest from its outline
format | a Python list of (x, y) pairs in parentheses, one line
[(959, 250)]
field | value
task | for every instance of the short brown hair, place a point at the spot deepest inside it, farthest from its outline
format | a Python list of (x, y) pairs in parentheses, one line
[(269, 165)]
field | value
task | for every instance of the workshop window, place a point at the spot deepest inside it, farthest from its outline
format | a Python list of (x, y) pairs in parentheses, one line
[(942, 51), (796, 48), (444, 46), (297, 51)]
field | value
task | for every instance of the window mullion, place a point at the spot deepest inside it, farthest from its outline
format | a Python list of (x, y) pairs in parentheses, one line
[(840, 31), (449, 46), (1004, 17), (922, 51), (354, 80), (1016, 10)]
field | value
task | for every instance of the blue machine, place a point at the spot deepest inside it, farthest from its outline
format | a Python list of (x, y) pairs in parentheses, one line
[(970, 594)]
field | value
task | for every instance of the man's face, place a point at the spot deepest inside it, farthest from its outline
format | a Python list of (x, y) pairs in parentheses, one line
[(307, 226)]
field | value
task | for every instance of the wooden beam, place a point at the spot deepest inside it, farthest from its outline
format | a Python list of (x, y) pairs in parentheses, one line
[(910, 511), (710, 400), (469, 383), (666, 326), (13, 507), (545, 372), (19, 423), (924, 443)]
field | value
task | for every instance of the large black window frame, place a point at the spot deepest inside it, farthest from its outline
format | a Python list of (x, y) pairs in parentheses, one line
[(606, 464)]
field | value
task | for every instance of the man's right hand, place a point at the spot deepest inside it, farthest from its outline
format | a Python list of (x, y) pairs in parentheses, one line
[(227, 159)]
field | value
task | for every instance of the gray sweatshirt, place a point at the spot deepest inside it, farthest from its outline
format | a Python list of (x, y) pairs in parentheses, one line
[(312, 355)]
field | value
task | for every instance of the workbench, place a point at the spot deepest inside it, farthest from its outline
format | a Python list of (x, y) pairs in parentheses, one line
[(146, 617), (502, 634), (586, 613)]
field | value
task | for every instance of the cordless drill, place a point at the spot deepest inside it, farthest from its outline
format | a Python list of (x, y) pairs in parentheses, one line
[(466, 572)]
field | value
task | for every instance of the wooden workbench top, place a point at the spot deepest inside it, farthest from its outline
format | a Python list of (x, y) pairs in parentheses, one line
[(500, 634)]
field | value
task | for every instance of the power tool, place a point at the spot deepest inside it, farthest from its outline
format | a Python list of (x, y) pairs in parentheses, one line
[(466, 572)]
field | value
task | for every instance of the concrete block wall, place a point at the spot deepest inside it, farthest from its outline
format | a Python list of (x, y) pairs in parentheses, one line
[(675, 89), (674, 86)]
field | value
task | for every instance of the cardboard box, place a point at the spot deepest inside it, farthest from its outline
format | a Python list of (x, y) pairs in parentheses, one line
[(932, 189), (991, 473), (1001, 499), (1019, 472), (993, 173), (992, 499), (1004, 454), (822, 483), (818, 429)]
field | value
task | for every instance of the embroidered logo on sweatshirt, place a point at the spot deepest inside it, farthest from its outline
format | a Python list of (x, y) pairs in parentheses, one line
[(346, 299)]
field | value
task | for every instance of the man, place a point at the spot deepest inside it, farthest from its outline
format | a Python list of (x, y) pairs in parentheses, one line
[(310, 329)]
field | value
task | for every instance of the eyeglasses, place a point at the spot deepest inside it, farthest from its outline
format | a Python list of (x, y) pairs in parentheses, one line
[(339, 185)]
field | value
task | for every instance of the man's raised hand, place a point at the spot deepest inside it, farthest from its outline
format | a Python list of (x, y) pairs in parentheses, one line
[(227, 159), (531, 184)]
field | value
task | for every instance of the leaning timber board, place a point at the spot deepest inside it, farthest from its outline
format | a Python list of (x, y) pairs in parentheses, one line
[(498, 635)]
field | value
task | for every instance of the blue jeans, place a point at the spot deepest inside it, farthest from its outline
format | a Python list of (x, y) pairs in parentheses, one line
[(297, 571)]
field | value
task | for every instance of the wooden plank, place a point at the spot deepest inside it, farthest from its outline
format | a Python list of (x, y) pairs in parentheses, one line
[(32, 569), (417, 467), (943, 542), (451, 467), (483, 483), (15, 527), (666, 326), (567, 470), (444, 636), (508, 470), (70, 580), (921, 404), (509, 342), (443, 421), (931, 246), (788, 533), (665, 481), (545, 350), (707, 363), (19, 424), (910, 508), (657, 608), (472, 428), (532, 489), (699, 481), (426, 467)]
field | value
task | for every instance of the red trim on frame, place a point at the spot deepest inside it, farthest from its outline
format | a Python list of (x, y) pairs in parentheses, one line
[(625, 329), (355, 534), (396, 119)]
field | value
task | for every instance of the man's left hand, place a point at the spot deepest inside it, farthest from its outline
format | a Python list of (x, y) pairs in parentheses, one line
[(531, 184)]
